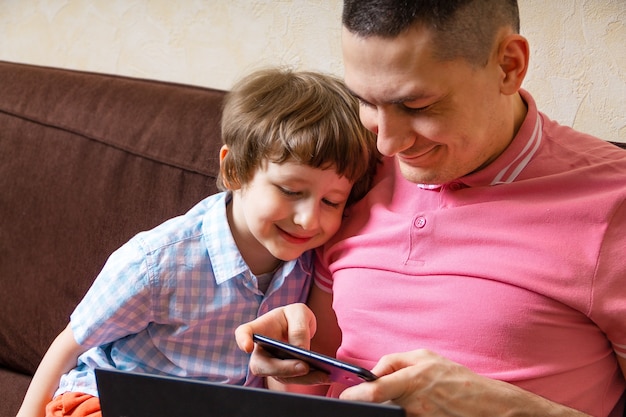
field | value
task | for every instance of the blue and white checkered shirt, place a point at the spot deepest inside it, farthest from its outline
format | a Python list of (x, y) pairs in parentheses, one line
[(169, 300)]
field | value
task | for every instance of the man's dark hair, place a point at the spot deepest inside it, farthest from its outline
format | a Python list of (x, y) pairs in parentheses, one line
[(461, 28)]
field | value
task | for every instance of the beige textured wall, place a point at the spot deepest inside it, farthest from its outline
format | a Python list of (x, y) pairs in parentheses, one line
[(578, 62), (578, 52)]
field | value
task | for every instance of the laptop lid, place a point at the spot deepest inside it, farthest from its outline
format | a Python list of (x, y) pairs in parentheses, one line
[(126, 394)]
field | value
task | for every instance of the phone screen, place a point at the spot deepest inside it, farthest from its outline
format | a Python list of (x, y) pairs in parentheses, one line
[(339, 371)]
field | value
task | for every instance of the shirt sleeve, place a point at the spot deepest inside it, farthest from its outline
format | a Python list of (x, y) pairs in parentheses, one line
[(119, 301), (608, 300)]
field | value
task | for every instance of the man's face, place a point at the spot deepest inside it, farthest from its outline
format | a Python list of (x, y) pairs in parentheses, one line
[(441, 120)]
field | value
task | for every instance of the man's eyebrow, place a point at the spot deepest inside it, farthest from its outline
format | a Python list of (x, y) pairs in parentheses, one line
[(420, 95), (400, 100)]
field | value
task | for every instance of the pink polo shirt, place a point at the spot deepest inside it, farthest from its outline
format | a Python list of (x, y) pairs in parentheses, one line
[(517, 271)]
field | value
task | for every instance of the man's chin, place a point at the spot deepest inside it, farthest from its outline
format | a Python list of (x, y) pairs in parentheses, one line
[(420, 175)]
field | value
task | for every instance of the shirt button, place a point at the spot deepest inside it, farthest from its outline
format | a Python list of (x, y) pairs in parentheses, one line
[(420, 222)]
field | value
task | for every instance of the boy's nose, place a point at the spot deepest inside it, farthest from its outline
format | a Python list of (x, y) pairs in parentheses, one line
[(307, 216)]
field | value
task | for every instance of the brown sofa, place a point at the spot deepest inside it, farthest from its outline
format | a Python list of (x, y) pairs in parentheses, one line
[(86, 161)]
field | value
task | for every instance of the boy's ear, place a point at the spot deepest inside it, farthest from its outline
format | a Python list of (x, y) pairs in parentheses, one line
[(229, 182), (513, 55), (223, 152)]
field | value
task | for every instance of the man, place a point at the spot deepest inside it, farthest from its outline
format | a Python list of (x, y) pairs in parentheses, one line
[(489, 252)]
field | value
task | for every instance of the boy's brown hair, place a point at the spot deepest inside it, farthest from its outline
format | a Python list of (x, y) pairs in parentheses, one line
[(311, 118)]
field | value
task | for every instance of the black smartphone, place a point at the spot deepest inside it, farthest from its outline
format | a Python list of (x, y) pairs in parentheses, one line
[(342, 372)]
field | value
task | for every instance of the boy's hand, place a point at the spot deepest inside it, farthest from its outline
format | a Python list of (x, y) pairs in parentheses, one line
[(295, 324)]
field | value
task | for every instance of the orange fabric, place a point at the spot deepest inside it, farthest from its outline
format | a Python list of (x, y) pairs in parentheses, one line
[(74, 404)]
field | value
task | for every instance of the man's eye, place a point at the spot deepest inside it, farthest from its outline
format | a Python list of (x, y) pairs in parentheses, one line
[(416, 109), (363, 103)]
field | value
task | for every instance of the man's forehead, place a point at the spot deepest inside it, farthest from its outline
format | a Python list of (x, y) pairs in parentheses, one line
[(390, 70), (377, 55)]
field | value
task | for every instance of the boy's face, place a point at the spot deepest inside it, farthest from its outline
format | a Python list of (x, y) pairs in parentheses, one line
[(285, 210)]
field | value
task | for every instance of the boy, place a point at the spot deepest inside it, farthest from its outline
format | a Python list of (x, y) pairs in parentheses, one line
[(167, 302)]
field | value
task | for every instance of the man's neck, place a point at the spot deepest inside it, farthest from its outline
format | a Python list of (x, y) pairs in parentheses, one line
[(519, 113)]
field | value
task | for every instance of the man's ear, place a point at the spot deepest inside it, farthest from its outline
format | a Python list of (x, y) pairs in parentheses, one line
[(513, 56), (225, 173)]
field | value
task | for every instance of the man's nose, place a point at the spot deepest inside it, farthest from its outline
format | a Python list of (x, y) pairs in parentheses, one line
[(393, 133)]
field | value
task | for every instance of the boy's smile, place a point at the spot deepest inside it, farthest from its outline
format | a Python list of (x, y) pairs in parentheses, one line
[(284, 210)]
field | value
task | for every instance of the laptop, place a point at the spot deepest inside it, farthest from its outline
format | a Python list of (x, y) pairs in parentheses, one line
[(127, 394)]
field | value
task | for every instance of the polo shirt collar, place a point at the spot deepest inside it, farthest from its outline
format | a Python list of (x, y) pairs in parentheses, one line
[(511, 163)]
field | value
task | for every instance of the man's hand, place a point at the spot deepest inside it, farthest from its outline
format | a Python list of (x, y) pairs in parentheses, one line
[(426, 384)]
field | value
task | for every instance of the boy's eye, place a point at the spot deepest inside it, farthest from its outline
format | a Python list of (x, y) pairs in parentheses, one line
[(294, 194), (330, 203), (288, 192)]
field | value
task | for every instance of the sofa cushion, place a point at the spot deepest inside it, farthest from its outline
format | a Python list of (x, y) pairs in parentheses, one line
[(86, 161)]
